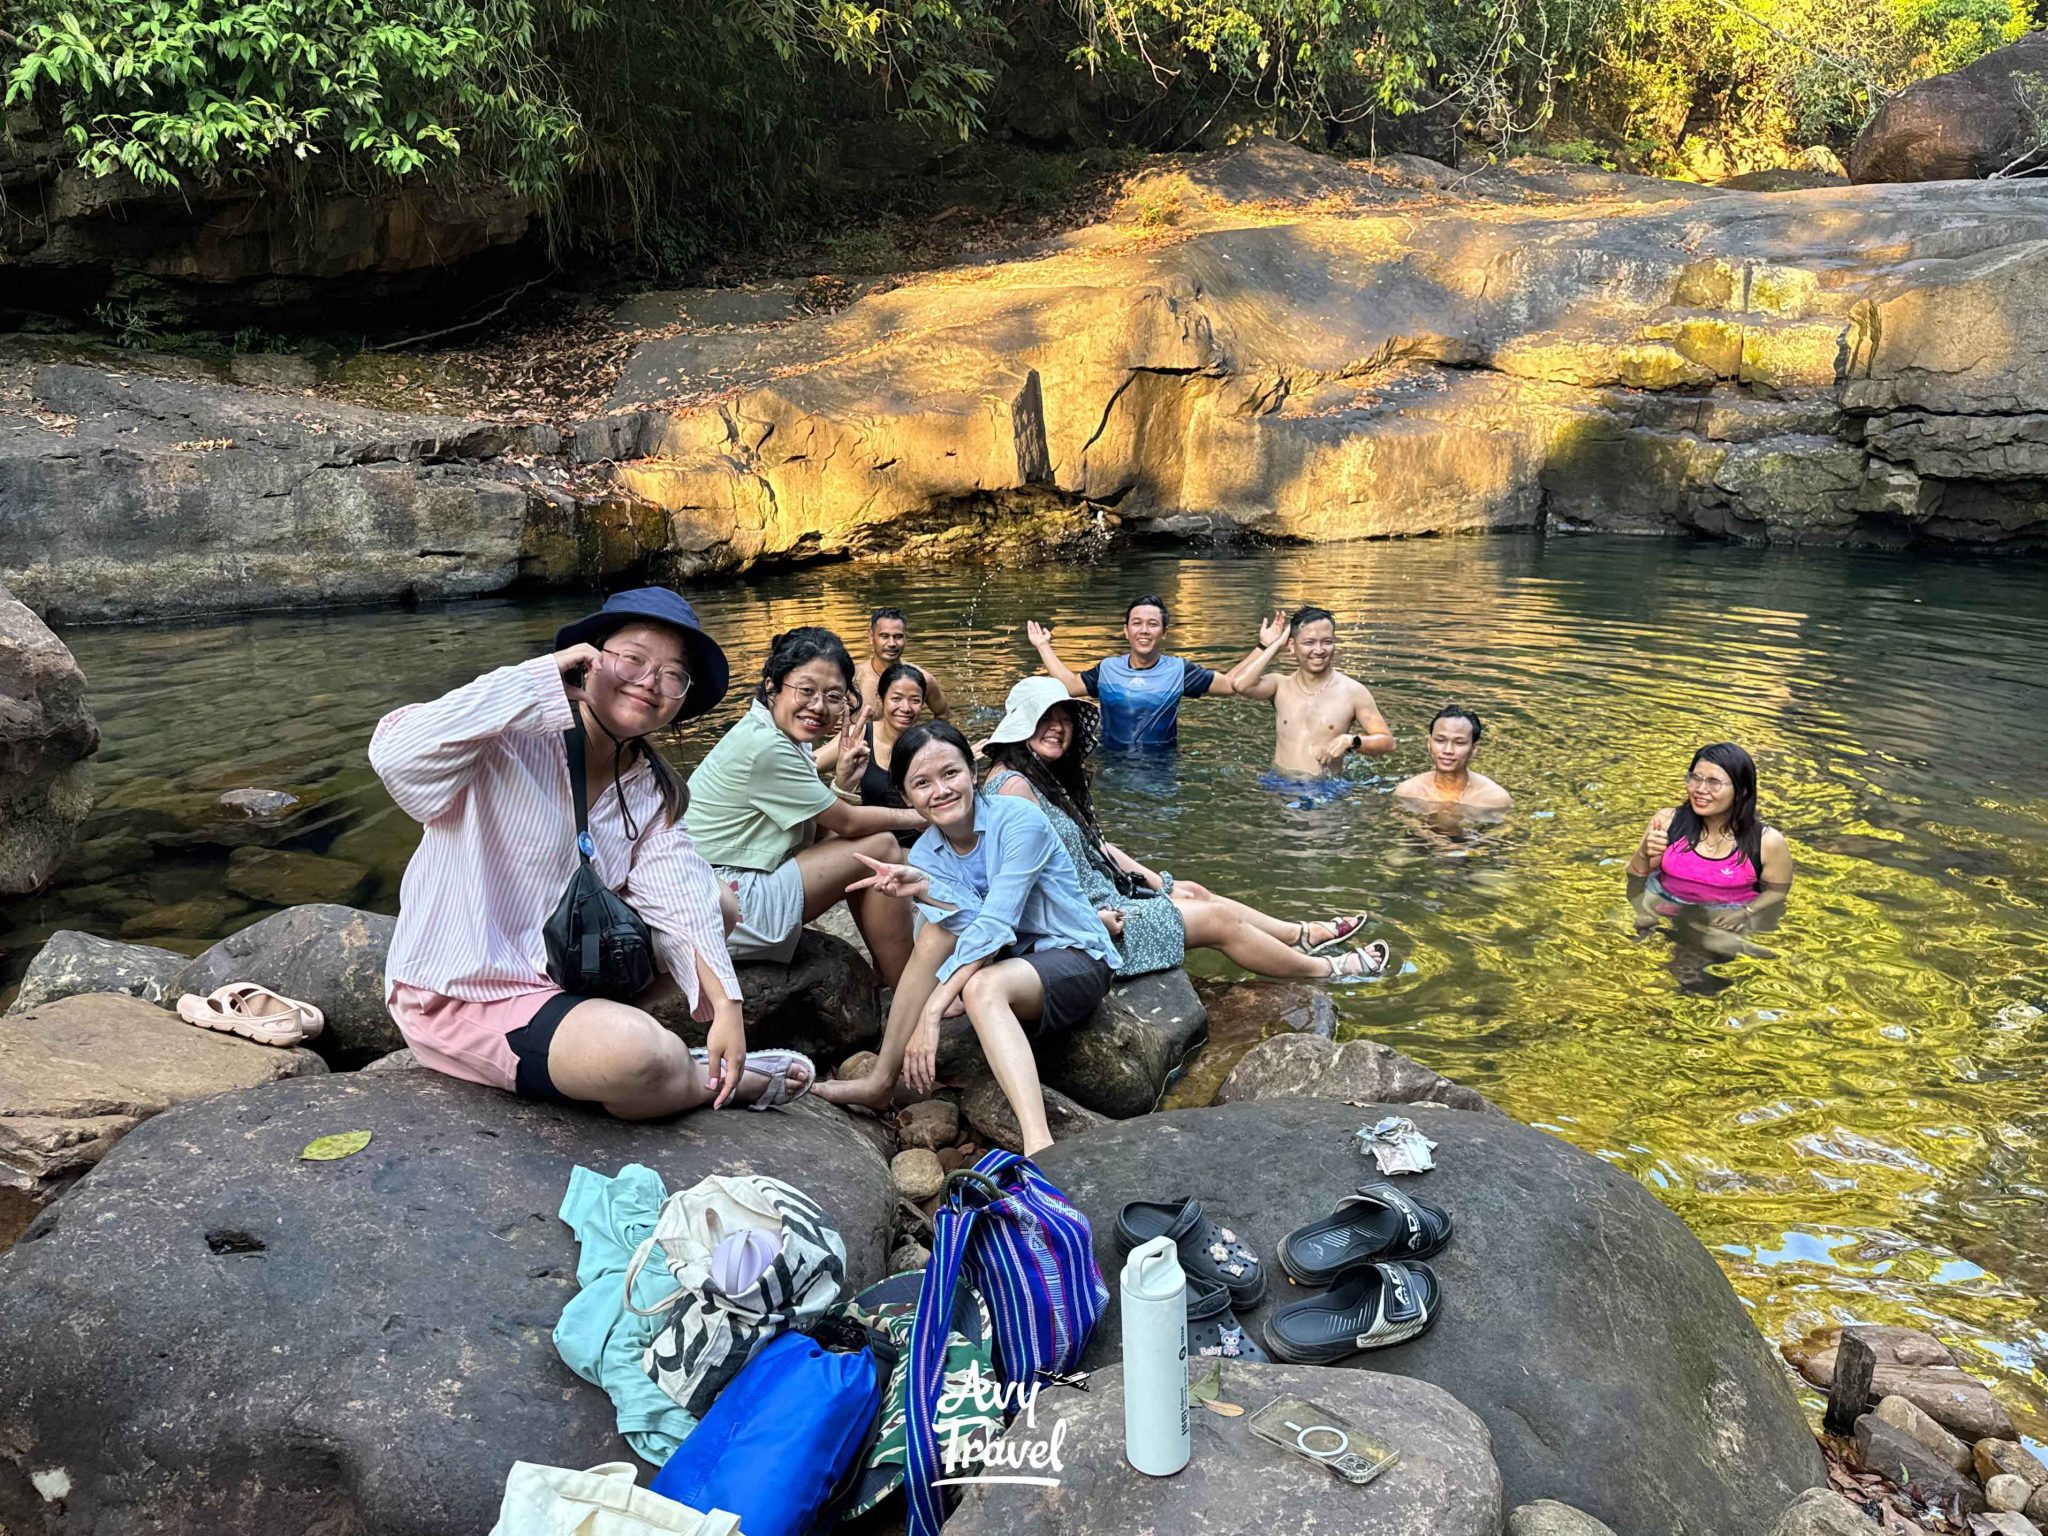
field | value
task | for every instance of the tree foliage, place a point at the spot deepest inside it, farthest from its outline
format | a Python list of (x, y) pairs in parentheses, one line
[(691, 117)]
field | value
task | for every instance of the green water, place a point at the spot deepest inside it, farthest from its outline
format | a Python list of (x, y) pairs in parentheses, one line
[(1854, 1125)]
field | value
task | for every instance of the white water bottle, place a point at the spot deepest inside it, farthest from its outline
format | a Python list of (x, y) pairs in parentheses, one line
[(1155, 1315)]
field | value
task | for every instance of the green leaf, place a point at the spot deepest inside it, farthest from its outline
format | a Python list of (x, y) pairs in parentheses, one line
[(1209, 1386), (327, 1149)]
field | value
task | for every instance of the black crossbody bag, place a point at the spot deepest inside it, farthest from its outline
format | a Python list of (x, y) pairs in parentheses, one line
[(598, 946)]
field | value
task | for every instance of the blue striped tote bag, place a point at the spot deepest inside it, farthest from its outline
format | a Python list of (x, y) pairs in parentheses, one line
[(1005, 1229)]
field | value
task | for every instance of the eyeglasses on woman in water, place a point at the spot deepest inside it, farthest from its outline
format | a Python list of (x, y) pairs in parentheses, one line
[(1705, 781), (632, 667)]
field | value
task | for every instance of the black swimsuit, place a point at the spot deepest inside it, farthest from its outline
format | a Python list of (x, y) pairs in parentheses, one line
[(875, 789)]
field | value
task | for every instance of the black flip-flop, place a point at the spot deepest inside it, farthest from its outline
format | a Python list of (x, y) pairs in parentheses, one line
[(1213, 1252), (1374, 1306), (1379, 1222), (1214, 1331)]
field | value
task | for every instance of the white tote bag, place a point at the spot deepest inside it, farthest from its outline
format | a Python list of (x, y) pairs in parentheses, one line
[(605, 1501)]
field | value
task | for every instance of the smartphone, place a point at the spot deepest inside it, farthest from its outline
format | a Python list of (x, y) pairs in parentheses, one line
[(1302, 1427)]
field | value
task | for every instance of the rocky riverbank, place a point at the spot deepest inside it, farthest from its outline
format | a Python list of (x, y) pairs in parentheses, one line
[(1262, 342), (1593, 1371)]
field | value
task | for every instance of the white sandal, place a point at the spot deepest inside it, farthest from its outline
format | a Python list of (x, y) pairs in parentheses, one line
[(255, 1013)]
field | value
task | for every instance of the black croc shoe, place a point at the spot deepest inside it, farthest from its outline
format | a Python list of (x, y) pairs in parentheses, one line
[(1214, 1331), (1213, 1252)]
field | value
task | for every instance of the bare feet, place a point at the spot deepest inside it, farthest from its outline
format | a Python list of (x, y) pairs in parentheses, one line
[(871, 1092)]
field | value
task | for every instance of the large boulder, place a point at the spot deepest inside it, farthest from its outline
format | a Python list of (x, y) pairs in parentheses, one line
[(1446, 1483), (1356, 1072), (826, 1002), (80, 1073), (1120, 1062), (326, 955), (73, 962), (1971, 122), (1590, 1330), (46, 735), (229, 1339)]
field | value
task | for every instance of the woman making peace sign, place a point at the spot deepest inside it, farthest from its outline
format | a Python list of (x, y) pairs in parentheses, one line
[(787, 845)]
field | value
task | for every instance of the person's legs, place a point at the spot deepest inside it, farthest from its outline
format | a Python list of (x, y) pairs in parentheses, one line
[(830, 866), (998, 998), (914, 988), (1286, 930), (1220, 924), (617, 1056)]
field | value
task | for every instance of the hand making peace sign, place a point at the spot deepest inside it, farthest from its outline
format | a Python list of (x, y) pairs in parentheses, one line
[(892, 879), (853, 751)]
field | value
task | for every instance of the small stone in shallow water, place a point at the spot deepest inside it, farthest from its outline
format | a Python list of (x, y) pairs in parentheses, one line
[(258, 804)]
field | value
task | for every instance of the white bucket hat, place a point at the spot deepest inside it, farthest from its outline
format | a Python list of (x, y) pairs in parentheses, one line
[(1027, 704)]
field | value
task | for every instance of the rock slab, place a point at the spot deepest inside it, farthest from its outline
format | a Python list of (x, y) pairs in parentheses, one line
[(46, 736), (1910, 1364), (74, 962), (361, 1345), (329, 956), (80, 1073), (1601, 1343), (1445, 1484), (1358, 1071), (1895, 1454)]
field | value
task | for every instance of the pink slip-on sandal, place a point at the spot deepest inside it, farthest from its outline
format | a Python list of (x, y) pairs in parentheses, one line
[(255, 1013)]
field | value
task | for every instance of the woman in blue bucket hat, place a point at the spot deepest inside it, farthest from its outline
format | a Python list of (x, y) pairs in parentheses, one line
[(554, 876)]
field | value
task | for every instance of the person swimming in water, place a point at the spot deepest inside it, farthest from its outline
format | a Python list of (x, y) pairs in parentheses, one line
[(1450, 783), (1320, 715), (888, 637), (1140, 693), (1713, 852)]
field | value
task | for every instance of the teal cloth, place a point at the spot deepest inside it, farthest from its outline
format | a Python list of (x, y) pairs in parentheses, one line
[(597, 1337)]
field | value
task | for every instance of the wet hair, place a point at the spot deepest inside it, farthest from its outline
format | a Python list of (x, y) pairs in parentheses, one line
[(1063, 785), (1147, 601), (1459, 712), (792, 648), (1310, 614), (895, 673), (887, 613), (1743, 821), (915, 740)]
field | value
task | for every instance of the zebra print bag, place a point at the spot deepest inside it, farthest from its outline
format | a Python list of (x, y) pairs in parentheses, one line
[(710, 1334)]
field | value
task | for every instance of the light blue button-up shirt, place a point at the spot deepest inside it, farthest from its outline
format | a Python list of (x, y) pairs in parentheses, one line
[(1017, 890)]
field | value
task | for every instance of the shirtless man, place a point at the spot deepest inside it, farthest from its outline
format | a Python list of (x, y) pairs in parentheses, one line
[(1320, 713), (1453, 738), (888, 633)]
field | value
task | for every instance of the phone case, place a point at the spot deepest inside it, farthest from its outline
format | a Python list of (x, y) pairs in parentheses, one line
[(1297, 1425)]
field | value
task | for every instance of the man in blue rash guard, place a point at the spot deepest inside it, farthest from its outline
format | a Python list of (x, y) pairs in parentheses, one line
[(1140, 693)]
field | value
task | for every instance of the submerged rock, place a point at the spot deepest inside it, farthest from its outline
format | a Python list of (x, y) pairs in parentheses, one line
[(46, 735), (326, 955), (361, 1345), (73, 962), (1358, 1071), (1446, 1484), (258, 804), (1241, 1014), (1599, 1341), (79, 1073), (285, 877)]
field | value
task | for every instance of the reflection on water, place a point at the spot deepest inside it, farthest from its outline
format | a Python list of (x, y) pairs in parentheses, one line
[(1855, 1125)]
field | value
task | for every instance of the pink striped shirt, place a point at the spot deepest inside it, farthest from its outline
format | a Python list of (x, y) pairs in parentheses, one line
[(483, 770)]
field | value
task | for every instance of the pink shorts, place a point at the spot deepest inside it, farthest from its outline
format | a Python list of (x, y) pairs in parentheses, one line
[(465, 1039)]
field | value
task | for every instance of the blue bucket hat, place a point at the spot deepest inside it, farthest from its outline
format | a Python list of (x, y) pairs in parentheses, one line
[(709, 674)]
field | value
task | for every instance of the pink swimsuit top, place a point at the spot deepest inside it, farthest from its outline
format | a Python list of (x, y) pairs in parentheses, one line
[(1688, 875)]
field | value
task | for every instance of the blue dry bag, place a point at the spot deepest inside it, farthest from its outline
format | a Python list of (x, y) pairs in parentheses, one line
[(786, 1440)]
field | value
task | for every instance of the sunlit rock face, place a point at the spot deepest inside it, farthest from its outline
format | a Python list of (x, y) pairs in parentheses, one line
[(1262, 341), (1288, 345)]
